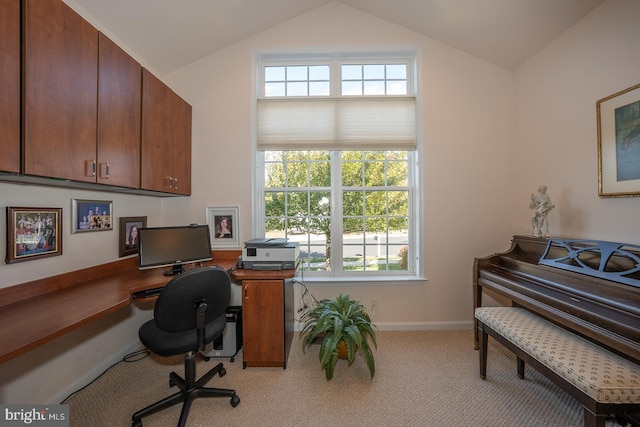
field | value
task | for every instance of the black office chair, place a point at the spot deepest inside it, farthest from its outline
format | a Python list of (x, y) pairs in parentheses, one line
[(189, 313)]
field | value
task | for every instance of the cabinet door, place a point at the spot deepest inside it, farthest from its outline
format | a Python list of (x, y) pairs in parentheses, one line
[(181, 137), (10, 85), (60, 91), (166, 138), (119, 101), (263, 322)]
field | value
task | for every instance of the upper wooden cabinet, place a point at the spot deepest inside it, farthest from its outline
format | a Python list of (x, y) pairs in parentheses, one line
[(119, 103), (166, 138), (82, 100), (10, 85), (60, 92), (89, 113)]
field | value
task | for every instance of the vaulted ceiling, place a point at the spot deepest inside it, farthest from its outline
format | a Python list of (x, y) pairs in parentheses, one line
[(169, 34)]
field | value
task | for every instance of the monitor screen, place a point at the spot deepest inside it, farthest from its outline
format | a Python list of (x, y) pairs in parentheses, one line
[(173, 246)]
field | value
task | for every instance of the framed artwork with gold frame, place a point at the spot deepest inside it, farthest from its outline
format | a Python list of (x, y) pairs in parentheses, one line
[(619, 144)]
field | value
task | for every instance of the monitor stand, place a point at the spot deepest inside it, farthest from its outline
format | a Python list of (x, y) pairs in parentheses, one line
[(175, 270)]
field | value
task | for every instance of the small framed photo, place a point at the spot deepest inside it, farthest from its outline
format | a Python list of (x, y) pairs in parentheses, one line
[(619, 144), (223, 226), (129, 226), (33, 233), (91, 215)]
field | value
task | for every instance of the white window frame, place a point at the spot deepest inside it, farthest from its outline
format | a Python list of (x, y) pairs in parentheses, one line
[(335, 69), (415, 242)]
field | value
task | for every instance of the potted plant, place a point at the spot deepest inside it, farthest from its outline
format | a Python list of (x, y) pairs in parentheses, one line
[(336, 323)]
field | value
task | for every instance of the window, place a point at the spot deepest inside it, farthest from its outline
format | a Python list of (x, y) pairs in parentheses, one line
[(374, 79), (296, 80), (336, 147)]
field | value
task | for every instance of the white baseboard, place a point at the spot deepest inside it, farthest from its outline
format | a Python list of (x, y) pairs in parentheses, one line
[(420, 326), (425, 326)]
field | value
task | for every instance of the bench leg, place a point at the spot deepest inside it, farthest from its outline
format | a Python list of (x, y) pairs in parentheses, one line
[(520, 364), (482, 353), (594, 420)]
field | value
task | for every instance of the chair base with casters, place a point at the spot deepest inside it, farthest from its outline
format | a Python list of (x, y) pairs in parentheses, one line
[(190, 312), (190, 389)]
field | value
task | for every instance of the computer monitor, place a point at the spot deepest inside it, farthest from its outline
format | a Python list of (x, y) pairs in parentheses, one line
[(173, 246)]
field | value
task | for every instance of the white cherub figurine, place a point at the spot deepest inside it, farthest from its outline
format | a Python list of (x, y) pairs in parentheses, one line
[(541, 204)]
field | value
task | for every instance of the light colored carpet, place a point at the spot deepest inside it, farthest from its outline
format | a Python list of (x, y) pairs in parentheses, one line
[(423, 378)]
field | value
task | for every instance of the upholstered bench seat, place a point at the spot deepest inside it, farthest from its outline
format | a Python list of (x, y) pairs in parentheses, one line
[(600, 376)]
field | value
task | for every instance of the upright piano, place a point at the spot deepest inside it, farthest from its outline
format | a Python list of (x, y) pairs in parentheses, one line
[(587, 286)]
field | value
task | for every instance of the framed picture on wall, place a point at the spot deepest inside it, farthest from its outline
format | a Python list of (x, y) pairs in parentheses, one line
[(223, 226), (91, 215), (33, 233), (619, 144), (129, 227)]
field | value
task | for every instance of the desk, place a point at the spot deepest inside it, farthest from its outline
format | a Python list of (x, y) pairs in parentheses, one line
[(36, 312), (44, 309)]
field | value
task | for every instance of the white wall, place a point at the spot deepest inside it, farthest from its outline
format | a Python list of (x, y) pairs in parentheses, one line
[(467, 126), (556, 134)]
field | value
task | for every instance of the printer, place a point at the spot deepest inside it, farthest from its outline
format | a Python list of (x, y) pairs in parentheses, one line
[(270, 254)]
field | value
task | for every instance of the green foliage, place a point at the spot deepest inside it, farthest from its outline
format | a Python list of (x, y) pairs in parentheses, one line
[(298, 197), (335, 320), (310, 211)]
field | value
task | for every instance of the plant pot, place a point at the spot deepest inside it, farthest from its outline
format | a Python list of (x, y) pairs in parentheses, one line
[(342, 350)]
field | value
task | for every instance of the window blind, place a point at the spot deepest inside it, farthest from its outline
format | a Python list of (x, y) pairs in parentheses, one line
[(384, 123)]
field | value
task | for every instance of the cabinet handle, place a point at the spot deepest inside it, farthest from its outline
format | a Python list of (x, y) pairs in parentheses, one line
[(104, 166), (172, 182), (90, 167), (246, 291)]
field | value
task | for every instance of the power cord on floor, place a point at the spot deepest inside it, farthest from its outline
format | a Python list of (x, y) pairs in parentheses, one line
[(136, 356), (129, 358)]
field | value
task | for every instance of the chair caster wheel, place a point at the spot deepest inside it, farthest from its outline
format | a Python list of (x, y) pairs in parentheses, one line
[(232, 360), (235, 400), (171, 383), (136, 423), (222, 372), (206, 359)]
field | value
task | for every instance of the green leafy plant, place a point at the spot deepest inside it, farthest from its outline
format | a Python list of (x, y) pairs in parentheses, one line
[(339, 320)]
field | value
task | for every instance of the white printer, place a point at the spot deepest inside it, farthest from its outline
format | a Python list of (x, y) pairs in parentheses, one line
[(270, 254)]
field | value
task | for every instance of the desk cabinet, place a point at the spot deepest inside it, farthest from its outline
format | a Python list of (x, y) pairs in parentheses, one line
[(267, 321), (10, 85)]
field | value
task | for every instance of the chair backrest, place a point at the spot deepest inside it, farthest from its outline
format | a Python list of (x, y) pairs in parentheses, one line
[(175, 308)]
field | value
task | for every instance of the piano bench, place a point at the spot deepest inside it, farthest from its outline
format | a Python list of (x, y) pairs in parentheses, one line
[(603, 382)]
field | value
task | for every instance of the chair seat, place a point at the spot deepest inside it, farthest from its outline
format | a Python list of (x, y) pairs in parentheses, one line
[(168, 344)]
